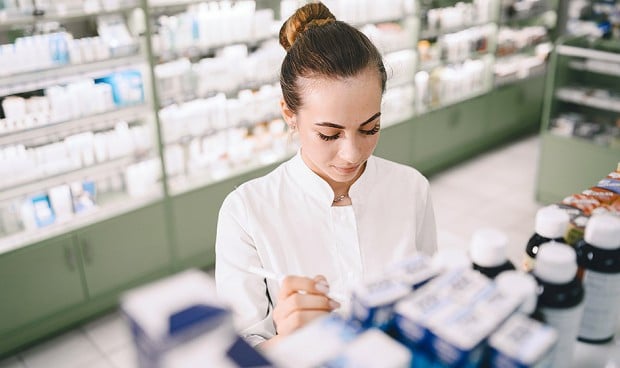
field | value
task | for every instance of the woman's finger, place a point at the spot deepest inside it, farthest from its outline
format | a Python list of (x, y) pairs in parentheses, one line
[(295, 302), (299, 284), (297, 320)]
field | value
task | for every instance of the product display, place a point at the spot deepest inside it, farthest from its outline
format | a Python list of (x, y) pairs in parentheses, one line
[(75, 118), (488, 252)]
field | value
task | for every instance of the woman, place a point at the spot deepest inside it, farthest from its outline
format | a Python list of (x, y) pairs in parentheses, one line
[(334, 214)]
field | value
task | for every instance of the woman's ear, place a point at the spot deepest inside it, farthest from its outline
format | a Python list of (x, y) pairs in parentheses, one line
[(288, 115)]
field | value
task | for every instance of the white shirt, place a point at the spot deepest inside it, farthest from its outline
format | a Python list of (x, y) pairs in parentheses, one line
[(285, 222)]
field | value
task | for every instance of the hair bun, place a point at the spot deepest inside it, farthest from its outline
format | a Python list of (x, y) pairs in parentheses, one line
[(304, 18)]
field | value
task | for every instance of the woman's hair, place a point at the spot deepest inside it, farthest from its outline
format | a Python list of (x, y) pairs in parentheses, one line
[(318, 45)]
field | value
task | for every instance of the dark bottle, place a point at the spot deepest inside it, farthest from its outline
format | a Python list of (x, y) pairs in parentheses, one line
[(560, 296), (488, 252), (551, 224), (598, 256)]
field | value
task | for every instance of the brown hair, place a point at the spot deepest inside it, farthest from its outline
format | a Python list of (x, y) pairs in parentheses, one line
[(319, 45)]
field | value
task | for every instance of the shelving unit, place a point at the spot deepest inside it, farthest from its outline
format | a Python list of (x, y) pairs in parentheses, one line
[(581, 118)]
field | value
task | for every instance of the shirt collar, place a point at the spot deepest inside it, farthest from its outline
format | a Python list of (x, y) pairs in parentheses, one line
[(314, 186)]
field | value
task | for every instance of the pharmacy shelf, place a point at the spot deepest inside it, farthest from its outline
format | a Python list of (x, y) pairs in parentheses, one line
[(434, 33), (469, 96), (184, 184), (526, 50), (430, 65), (248, 124), (595, 68), (11, 20), (36, 185), (588, 53), (168, 6), (535, 72), (108, 206), (523, 16), (36, 80), (40, 135), (198, 52), (608, 104)]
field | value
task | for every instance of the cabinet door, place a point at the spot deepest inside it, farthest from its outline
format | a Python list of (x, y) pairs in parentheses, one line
[(516, 107), (39, 280), (195, 218), (396, 143), (124, 250), (449, 134)]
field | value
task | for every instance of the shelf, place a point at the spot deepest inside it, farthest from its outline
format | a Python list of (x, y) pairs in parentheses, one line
[(46, 133), (426, 33), (535, 72), (428, 66), (595, 68), (180, 185), (32, 81), (608, 104), (470, 96), (108, 208), (588, 53), (10, 20), (523, 16), (160, 7), (526, 50), (40, 184), (197, 52)]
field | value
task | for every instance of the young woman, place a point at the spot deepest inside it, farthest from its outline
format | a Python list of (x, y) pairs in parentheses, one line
[(333, 215)]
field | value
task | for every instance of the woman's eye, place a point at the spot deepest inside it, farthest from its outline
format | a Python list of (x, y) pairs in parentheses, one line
[(329, 137), (372, 131)]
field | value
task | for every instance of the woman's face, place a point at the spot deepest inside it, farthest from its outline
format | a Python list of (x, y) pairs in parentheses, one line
[(338, 124)]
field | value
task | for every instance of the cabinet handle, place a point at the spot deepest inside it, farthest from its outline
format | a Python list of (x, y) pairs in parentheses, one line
[(70, 258), (87, 252)]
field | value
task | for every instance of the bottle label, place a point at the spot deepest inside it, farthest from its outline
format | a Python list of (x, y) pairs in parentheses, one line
[(601, 306), (566, 322)]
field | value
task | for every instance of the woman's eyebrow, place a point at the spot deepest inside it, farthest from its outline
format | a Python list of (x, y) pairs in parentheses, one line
[(337, 126)]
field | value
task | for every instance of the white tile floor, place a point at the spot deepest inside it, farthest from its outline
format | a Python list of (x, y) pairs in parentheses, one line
[(494, 189)]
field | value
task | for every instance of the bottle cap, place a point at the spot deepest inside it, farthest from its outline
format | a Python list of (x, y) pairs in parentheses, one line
[(488, 247), (521, 284), (603, 231), (551, 222), (556, 263)]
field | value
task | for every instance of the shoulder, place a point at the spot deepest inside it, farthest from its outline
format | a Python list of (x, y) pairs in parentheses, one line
[(395, 173), (259, 189)]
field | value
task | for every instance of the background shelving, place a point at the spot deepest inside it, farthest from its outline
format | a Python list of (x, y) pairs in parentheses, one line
[(581, 119)]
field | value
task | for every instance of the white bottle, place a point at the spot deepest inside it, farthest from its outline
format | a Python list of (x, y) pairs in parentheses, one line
[(560, 296), (599, 255)]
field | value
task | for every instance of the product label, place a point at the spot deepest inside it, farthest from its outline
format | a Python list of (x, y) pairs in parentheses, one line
[(601, 306), (566, 322)]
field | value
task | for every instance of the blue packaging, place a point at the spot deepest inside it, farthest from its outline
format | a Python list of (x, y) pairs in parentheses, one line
[(372, 304), (522, 342), (83, 195), (127, 87), (42, 210)]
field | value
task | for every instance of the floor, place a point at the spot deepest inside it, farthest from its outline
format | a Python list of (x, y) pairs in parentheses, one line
[(495, 189)]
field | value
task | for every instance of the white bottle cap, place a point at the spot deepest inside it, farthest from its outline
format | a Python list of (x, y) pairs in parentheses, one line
[(488, 247), (603, 231), (521, 284), (551, 222), (556, 263)]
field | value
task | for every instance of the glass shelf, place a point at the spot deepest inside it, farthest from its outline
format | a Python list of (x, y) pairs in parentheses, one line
[(580, 98), (600, 68), (108, 207), (43, 134), (11, 20), (534, 72), (180, 185), (434, 33), (98, 170), (35, 80)]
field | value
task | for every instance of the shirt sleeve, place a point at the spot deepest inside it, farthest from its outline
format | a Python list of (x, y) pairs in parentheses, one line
[(426, 238), (245, 293)]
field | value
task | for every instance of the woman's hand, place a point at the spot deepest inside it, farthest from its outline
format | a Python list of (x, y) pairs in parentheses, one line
[(300, 301)]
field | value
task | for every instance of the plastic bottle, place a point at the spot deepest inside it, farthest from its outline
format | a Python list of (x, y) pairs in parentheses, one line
[(488, 252), (551, 225), (525, 286), (598, 254), (560, 297)]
